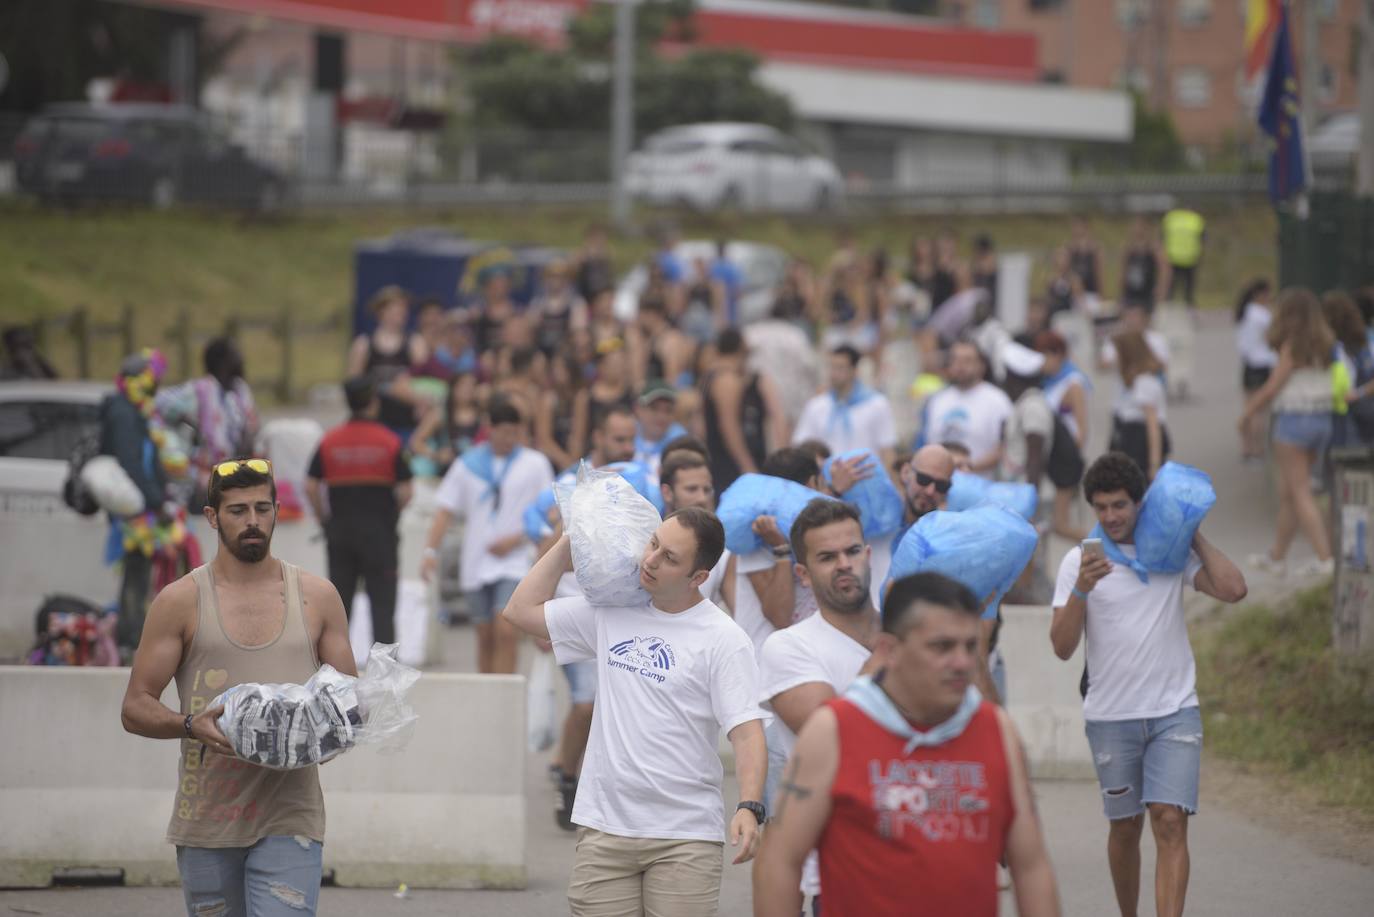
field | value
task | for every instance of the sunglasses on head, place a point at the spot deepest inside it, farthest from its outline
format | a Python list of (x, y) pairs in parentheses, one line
[(942, 485), (261, 466)]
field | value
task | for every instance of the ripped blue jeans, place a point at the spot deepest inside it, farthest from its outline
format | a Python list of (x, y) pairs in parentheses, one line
[(276, 877), (1147, 761)]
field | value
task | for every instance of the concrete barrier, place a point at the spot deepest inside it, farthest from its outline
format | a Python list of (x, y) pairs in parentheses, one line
[(77, 791), (1042, 691)]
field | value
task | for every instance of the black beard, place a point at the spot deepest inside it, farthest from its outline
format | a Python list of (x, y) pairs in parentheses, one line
[(251, 552), (832, 599)]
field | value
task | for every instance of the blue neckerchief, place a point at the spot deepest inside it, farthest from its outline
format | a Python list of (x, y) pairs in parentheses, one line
[(1117, 556), (645, 449), (1068, 369), (480, 461), (866, 694), (839, 412)]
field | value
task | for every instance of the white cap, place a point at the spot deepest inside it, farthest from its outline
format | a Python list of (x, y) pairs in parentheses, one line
[(1021, 360)]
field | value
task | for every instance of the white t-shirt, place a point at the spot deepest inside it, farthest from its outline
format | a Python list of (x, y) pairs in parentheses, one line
[(871, 425), (812, 651), (973, 418), (1251, 342), (464, 494), (1157, 342), (880, 563), (1145, 391), (711, 588), (1032, 415), (1140, 663), (749, 610), (667, 685)]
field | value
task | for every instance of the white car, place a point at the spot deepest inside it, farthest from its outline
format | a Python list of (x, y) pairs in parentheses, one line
[(762, 265), (45, 547), (749, 166)]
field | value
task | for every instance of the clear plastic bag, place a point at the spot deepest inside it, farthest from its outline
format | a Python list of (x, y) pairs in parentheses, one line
[(541, 715), (754, 495), (879, 504), (286, 726), (608, 524), (1174, 507), (985, 548), (969, 490)]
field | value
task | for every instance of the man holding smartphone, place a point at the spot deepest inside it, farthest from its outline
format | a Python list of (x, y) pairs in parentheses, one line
[(1141, 703)]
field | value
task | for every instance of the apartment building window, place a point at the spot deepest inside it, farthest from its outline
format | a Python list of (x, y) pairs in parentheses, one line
[(1135, 78), (987, 14), (1131, 14), (1192, 87), (1328, 9), (1194, 14), (1045, 6)]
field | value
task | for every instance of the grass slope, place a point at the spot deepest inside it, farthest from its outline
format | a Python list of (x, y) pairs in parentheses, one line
[(215, 264), (1277, 697)]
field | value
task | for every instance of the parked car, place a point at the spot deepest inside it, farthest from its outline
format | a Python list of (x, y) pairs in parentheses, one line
[(156, 154), (750, 166), (763, 267), (45, 547)]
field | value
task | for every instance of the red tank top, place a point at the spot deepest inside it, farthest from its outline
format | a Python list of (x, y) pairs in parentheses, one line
[(917, 834)]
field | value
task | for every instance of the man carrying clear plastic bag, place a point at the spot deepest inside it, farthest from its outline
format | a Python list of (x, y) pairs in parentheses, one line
[(672, 673), (249, 839)]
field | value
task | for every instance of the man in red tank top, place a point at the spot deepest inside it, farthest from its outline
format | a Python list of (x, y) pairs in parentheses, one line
[(911, 787)]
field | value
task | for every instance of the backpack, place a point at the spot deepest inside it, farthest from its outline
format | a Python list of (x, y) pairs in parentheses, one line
[(1065, 465), (75, 493)]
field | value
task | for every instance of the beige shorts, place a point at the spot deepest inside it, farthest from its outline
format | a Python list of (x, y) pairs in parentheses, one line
[(616, 876)]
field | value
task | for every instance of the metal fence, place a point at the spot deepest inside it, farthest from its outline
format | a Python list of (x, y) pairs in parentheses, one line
[(371, 165)]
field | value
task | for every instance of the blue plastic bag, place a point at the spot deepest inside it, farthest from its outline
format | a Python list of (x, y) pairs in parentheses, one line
[(985, 548), (969, 490), (536, 516), (876, 498), (754, 495), (1174, 507)]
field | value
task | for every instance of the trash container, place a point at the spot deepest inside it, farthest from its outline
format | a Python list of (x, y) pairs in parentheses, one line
[(1352, 510)]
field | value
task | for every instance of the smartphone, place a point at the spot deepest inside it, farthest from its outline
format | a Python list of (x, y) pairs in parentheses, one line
[(1092, 547)]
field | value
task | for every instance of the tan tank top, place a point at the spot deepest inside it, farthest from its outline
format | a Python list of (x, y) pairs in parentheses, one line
[(222, 801)]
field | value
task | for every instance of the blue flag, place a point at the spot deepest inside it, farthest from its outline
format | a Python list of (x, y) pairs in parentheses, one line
[(1280, 116)]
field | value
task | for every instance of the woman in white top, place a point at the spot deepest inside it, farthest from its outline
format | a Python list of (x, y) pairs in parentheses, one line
[(1300, 389), (1257, 359), (1139, 415)]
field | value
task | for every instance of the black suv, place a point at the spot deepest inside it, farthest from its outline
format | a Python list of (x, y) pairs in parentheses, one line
[(158, 154)]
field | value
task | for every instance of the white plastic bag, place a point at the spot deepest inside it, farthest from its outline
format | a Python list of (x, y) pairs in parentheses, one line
[(541, 715), (608, 524), (287, 726), (111, 487)]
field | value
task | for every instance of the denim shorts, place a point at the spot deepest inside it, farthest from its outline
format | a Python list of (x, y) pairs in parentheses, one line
[(279, 876), (581, 681), (1308, 431), (1147, 761), (486, 602)]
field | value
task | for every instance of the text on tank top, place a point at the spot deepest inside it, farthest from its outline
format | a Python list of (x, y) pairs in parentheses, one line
[(222, 801), (919, 833)]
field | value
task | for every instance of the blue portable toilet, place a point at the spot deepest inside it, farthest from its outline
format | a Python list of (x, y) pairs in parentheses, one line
[(425, 263)]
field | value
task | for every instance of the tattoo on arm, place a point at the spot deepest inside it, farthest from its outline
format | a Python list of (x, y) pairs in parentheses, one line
[(790, 788)]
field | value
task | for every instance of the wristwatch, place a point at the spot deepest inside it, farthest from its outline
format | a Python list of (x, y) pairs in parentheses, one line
[(782, 550), (756, 808), (187, 724)]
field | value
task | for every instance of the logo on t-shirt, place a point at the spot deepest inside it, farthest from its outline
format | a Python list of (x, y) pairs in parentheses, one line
[(650, 657), (954, 425), (944, 800)]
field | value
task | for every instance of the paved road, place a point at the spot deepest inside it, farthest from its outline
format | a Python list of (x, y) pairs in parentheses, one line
[(1239, 867)]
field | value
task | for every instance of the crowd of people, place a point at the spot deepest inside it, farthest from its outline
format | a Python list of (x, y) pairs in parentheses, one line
[(867, 726)]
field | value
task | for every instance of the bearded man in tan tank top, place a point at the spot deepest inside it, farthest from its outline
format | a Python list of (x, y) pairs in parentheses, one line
[(249, 839)]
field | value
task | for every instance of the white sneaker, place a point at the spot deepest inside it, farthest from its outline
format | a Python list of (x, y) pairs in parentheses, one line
[(1266, 564), (1316, 567)]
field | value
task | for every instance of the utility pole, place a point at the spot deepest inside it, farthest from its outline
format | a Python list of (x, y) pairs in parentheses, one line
[(622, 109), (1364, 178)]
